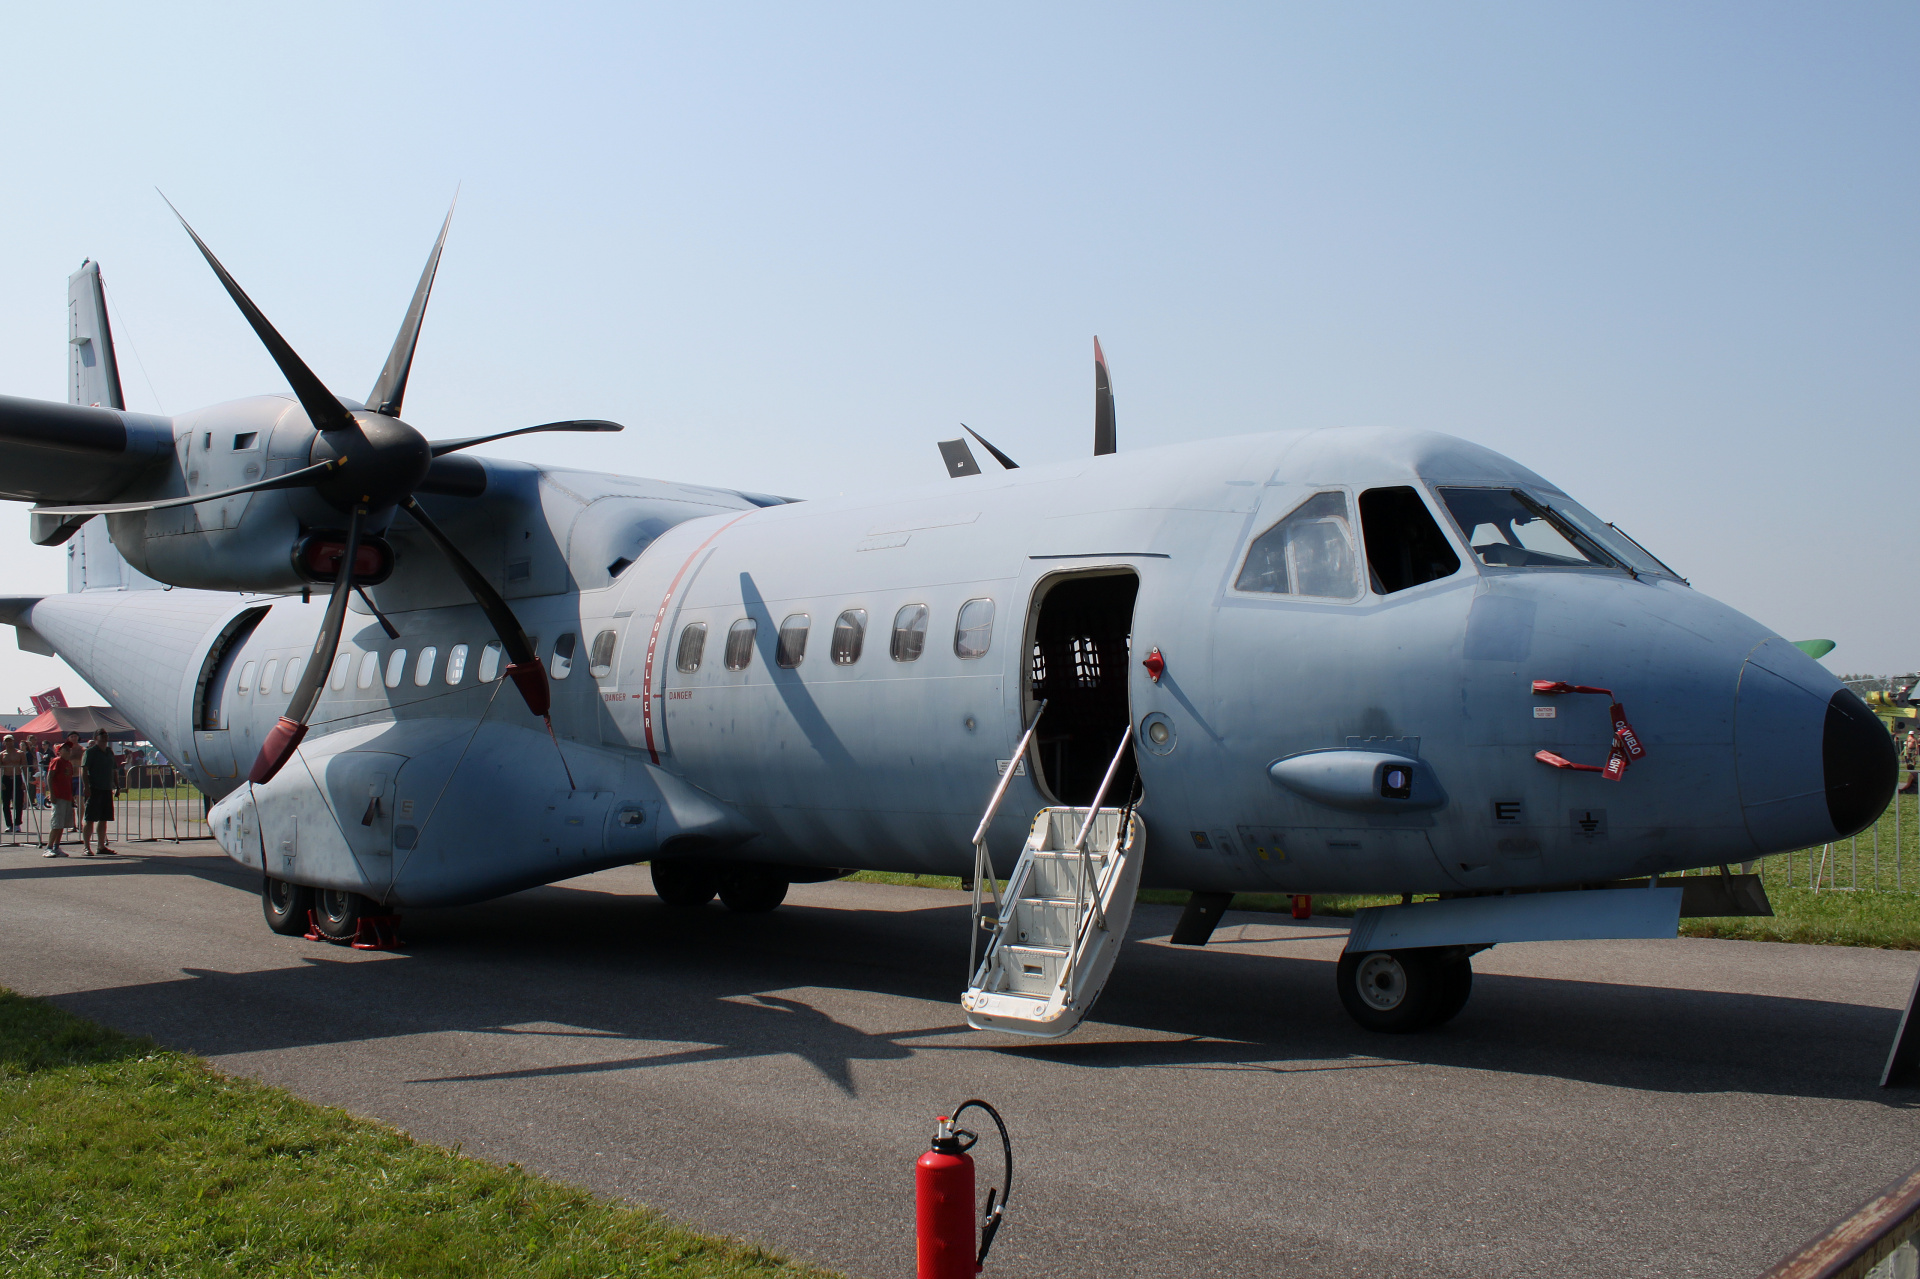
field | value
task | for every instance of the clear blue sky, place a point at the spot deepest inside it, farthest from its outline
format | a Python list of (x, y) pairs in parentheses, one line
[(1663, 253)]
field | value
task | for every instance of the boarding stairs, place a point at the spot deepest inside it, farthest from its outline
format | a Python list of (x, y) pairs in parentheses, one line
[(1054, 932)]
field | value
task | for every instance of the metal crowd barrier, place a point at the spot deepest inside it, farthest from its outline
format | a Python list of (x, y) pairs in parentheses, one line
[(155, 804)]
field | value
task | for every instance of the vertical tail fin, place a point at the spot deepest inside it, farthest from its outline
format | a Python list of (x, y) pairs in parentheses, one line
[(93, 375), (93, 378)]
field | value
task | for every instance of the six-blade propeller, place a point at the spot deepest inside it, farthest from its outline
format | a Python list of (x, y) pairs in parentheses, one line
[(365, 462)]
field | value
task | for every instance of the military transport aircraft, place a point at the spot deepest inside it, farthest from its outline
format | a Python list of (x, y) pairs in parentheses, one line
[(1354, 661)]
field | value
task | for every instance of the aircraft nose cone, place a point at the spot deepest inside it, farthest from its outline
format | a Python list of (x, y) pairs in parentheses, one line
[(1858, 761), (1814, 763)]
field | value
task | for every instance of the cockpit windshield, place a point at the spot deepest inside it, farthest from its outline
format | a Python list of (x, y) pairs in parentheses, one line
[(1512, 529)]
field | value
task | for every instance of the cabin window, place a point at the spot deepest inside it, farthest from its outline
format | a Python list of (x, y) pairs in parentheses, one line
[(246, 678), (490, 663), (849, 636), (1310, 552), (396, 666), (560, 664), (423, 669), (291, 679), (740, 643), (1405, 546), (342, 667), (600, 661), (973, 632), (369, 670), (1505, 527), (456, 663), (267, 672), (792, 648), (693, 646), (909, 633)]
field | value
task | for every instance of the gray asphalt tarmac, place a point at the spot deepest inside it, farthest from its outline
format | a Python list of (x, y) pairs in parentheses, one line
[(1601, 1108)]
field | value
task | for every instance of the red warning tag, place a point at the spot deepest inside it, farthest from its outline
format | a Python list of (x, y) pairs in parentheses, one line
[(1616, 765), (1560, 761), (1624, 736)]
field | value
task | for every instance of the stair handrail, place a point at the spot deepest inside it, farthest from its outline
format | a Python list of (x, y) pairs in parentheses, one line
[(1086, 861), (982, 864)]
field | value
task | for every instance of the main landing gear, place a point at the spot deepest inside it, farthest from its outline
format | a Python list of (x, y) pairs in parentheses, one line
[(285, 905), (688, 884), (1397, 991)]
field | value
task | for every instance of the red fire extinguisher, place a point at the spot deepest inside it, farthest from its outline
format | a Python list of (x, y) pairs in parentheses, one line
[(943, 1199)]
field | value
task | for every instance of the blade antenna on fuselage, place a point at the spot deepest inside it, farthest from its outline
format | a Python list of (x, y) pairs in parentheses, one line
[(998, 456)]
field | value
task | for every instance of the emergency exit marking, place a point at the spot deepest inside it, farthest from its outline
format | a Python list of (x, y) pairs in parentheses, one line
[(1545, 712)]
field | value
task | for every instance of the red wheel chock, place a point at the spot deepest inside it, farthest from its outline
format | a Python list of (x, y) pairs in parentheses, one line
[(370, 932), (377, 932)]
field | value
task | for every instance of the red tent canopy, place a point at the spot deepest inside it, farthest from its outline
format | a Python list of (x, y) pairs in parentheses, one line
[(51, 725)]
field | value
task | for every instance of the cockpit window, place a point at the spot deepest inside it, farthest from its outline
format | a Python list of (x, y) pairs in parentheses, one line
[(1508, 528), (1308, 553), (1404, 544), (1632, 556), (1514, 529)]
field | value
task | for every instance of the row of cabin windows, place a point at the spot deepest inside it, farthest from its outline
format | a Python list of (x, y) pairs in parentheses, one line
[(972, 636), (391, 669)]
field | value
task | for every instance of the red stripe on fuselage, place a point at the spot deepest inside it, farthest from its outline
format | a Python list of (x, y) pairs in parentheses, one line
[(653, 640)]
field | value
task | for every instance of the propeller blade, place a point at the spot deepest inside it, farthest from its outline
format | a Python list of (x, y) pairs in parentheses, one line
[(284, 737), (391, 387), (301, 478), (998, 456), (443, 447), (524, 669), (323, 409), (1103, 432)]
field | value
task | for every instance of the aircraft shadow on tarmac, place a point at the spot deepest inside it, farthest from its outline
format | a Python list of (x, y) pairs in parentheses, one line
[(664, 988)]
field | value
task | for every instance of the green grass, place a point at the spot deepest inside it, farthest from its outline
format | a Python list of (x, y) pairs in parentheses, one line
[(119, 1158), (1867, 917), (1889, 921)]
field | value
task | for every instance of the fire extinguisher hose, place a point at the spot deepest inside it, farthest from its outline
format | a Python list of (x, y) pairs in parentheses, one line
[(990, 1224)]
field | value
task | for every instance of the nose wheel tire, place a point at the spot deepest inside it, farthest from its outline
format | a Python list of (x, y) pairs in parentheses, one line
[(749, 890), (684, 884), (285, 906), (1401, 991), (337, 912)]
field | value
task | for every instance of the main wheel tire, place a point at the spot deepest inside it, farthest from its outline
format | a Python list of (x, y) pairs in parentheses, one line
[(285, 906), (1392, 991), (337, 912), (684, 884), (1456, 978), (750, 890)]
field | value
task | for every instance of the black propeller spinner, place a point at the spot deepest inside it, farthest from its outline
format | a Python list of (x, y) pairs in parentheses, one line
[(367, 461)]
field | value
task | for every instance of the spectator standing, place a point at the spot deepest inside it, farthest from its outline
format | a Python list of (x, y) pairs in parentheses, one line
[(100, 770), (60, 780), (15, 766)]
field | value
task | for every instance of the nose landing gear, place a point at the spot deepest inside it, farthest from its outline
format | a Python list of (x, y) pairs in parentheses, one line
[(1400, 991)]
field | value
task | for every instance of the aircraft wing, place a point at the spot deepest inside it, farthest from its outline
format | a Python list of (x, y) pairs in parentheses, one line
[(69, 453)]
